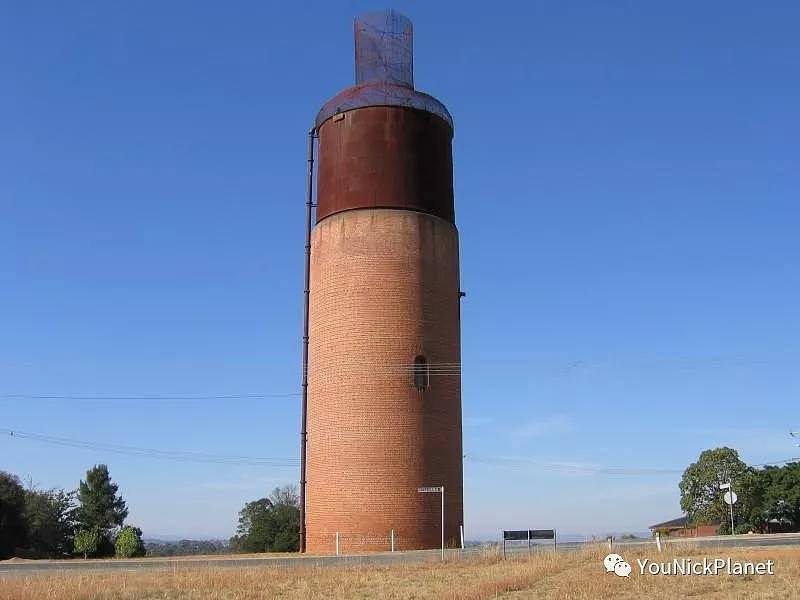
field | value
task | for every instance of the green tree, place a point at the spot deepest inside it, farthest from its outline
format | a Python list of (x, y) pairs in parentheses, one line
[(780, 500), (100, 504), (88, 542), (255, 530), (748, 512), (269, 524), (287, 530), (51, 521), (129, 542), (702, 498), (13, 527)]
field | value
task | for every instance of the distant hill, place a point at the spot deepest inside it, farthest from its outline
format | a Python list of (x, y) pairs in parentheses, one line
[(157, 547), (580, 537)]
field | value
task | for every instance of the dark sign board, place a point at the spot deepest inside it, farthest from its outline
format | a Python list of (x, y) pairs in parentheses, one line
[(530, 534), (543, 534)]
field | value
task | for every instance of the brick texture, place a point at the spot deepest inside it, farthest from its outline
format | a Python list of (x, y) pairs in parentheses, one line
[(384, 289)]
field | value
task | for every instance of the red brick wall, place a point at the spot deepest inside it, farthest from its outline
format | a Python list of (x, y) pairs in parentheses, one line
[(702, 530), (384, 289), (698, 531)]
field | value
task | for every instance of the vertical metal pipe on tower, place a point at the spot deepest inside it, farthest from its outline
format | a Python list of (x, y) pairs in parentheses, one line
[(382, 385), (304, 407)]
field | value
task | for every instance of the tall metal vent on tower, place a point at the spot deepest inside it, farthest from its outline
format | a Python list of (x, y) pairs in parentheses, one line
[(384, 44), (384, 49)]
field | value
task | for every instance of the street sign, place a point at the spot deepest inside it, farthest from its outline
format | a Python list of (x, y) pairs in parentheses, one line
[(530, 534), (730, 497), (429, 490), (521, 535), (543, 534), (724, 486)]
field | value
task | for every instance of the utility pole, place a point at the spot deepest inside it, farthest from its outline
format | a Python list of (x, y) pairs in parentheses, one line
[(730, 498), (733, 499), (442, 522)]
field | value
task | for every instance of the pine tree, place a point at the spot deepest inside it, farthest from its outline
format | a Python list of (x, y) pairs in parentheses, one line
[(100, 505)]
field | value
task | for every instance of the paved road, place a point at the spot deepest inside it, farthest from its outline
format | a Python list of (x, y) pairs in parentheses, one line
[(727, 541), (171, 564), (742, 541), (716, 541)]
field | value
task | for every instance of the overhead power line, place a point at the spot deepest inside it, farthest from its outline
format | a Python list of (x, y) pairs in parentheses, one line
[(178, 455), (432, 369), (566, 467), (509, 462), (159, 397)]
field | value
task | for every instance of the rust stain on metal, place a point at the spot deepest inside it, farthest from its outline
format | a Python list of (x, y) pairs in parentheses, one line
[(386, 157)]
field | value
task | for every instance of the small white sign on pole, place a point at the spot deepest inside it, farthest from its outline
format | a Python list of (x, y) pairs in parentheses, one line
[(438, 489)]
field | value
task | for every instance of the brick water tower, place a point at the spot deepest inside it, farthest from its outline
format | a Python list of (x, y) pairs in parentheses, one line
[(382, 391)]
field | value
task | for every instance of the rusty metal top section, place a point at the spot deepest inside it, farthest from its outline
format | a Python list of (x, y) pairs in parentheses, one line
[(382, 94), (385, 157), (384, 69)]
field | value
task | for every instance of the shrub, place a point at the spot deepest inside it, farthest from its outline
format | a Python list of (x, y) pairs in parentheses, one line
[(93, 542), (87, 542), (129, 542)]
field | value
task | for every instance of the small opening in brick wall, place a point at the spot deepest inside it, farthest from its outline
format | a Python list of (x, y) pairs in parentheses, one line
[(421, 373)]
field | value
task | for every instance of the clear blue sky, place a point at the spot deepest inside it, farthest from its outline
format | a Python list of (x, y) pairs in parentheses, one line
[(627, 180)]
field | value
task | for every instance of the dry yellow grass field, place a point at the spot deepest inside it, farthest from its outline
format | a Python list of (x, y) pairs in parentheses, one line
[(578, 575)]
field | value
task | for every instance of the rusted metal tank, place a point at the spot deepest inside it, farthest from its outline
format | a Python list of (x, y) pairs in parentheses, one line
[(386, 156)]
